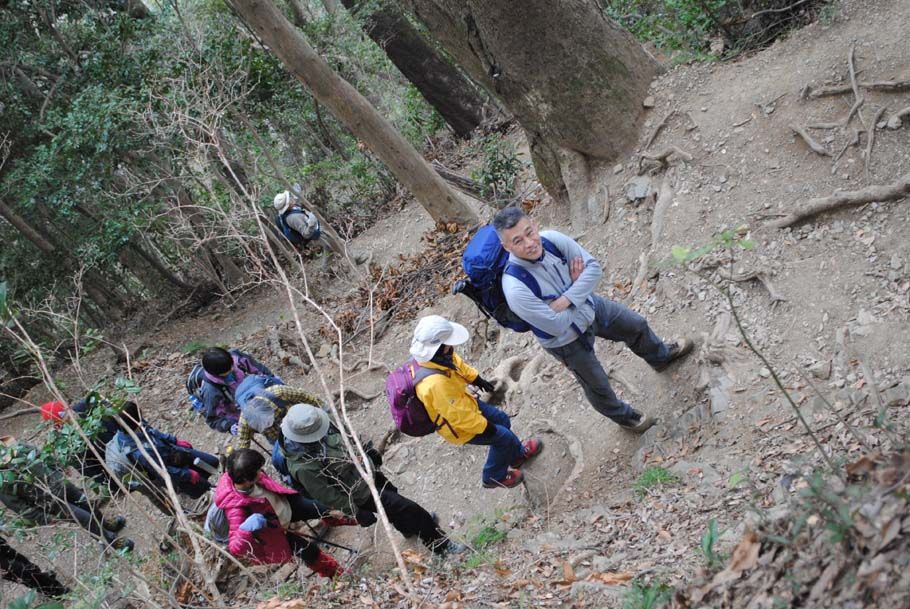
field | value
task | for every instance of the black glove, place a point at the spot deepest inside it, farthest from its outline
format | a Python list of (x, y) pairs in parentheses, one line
[(458, 287), (484, 384), (365, 518), (374, 455)]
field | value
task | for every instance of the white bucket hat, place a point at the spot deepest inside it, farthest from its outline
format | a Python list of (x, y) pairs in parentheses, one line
[(305, 423), (282, 201), (432, 331)]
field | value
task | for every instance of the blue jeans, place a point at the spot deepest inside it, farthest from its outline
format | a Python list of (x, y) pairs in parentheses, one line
[(504, 445), (616, 322)]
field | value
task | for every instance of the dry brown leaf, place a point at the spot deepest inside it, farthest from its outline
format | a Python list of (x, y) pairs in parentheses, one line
[(862, 466), (610, 579), (453, 595), (745, 556), (665, 535), (568, 573), (501, 570)]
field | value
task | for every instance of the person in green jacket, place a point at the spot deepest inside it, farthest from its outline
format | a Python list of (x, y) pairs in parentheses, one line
[(318, 461), (42, 495)]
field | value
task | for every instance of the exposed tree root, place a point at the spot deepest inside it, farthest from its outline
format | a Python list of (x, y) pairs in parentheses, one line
[(815, 146), (763, 278), (888, 192), (664, 198), (660, 125), (895, 121), (349, 391), (885, 86), (662, 157)]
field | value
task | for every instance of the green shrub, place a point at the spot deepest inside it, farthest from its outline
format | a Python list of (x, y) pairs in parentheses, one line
[(499, 169), (646, 596)]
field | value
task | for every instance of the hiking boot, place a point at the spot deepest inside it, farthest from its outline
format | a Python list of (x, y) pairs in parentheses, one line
[(679, 348), (122, 543), (530, 448), (637, 422), (325, 566), (344, 521), (512, 479), (114, 524), (453, 548)]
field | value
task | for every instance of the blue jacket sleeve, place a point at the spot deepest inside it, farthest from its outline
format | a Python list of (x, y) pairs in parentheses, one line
[(213, 402)]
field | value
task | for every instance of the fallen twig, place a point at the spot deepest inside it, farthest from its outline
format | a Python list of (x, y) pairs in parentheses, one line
[(870, 140), (20, 413), (824, 126), (851, 142), (888, 192), (815, 146)]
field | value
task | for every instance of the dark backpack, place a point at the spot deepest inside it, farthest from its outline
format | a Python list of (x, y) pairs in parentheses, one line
[(408, 412), (289, 233), (484, 262)]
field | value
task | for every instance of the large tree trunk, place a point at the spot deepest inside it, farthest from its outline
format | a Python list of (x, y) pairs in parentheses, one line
[(456, 99), (571, 77), (354, 111)]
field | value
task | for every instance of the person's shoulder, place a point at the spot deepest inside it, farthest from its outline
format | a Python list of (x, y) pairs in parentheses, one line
[(555, 236)]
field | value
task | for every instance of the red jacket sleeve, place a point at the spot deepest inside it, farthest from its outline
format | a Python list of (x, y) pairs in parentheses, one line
[(240, 543)]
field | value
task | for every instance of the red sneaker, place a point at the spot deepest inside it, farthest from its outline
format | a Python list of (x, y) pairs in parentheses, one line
[(513, 478), (325, 566), (530, 448), (344, 521)]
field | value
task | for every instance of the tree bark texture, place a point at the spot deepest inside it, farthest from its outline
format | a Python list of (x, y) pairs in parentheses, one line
[(456, 98), (573, 78), (354, 111)]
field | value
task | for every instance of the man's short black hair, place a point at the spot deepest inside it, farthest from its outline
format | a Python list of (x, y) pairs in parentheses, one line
[(217, 361), (243, 465), (507, 218)]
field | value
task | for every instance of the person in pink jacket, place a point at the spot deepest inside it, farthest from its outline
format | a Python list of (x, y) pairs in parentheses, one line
[(259, 510)]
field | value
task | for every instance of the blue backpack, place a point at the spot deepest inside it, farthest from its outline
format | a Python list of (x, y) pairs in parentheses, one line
[(289, 233), (485, 262)]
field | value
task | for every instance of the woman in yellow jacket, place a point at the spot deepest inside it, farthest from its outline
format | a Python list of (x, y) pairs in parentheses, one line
[(460, 417)]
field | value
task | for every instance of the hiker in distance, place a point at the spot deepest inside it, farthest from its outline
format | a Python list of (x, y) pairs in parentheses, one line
[(566, 315), (441, 378), (299, 226)]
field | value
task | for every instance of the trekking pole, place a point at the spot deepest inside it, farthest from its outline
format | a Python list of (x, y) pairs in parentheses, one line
[(317, 538)]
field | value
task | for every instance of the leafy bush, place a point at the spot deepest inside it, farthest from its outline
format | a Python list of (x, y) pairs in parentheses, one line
[(499, 169)]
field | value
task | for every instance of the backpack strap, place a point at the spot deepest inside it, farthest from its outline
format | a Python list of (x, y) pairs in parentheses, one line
[(551, 247), (418, 372)]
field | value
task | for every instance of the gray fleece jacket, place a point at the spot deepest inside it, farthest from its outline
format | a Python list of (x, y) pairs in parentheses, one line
[(553, 277)]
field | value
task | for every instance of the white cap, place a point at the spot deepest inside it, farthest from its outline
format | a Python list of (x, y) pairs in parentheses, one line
[(432, 331), (282, 201)]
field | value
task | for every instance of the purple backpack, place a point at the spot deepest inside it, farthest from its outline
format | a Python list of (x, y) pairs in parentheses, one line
[(408, 412)]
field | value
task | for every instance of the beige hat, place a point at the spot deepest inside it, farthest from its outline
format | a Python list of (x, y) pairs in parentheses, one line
[(283, 200), (305, 423), (432, 331)]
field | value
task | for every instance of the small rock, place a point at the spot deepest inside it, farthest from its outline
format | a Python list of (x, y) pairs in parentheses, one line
[(894, 122), (617, 169), (821, 370), (638, 188), (896, 262), (764, 373), (648, 102)]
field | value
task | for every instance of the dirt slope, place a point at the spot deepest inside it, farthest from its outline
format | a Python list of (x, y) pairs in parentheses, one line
[(845, 278)]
